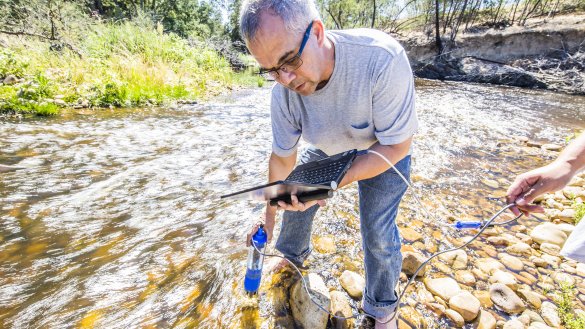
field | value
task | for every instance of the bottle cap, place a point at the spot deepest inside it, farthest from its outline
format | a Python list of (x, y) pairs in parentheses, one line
[(260, 237)]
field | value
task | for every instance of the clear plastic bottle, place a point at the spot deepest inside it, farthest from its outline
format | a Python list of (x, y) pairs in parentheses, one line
[(255, 262)]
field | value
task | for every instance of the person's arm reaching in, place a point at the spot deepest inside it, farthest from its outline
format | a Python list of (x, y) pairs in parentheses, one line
[(552, 177)]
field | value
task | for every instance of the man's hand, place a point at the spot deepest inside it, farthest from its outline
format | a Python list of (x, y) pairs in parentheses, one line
[(528, 186), (296, 205), (268, 228)]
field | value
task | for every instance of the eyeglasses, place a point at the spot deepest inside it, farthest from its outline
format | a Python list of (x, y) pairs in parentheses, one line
[(292, 64)]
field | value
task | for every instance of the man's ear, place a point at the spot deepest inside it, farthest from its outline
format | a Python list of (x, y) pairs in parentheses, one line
[(319, 31)]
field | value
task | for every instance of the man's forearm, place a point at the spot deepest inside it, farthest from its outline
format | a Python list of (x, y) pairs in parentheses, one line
[(574, 154), (278, 169), (370, 165)]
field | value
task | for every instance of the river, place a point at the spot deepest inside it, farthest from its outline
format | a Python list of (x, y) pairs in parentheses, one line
[(113, 218)]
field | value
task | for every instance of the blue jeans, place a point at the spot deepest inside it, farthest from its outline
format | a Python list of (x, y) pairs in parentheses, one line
[(379, 199)]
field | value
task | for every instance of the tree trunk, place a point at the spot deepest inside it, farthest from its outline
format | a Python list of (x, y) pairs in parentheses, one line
[(374, 15), (438, 29)]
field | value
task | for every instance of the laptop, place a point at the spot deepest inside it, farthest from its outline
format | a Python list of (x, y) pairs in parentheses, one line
[(313, 180)]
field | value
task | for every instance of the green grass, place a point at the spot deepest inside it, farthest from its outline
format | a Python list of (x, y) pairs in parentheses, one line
[(123, 65), (579, 211), (564, 300)]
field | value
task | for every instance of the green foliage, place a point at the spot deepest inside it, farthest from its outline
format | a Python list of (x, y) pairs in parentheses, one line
[(564, 300), (125, 64), (579, 211)]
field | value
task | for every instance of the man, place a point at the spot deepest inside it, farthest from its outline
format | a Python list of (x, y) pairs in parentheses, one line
[(338, 90), (551, 178)]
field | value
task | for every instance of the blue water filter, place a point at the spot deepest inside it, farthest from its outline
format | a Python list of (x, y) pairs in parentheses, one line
[(255, 260)]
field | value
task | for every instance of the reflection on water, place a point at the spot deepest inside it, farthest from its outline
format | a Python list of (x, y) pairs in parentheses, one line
[(113, 218)]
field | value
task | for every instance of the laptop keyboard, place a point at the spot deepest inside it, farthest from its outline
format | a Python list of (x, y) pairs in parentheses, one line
[(320, 175)]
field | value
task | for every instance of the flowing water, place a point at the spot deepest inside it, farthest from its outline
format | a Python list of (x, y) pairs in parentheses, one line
[(113, 218)]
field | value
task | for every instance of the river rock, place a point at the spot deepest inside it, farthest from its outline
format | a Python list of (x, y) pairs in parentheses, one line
[(567, 216), (457, 319), (436, 307), (10, 79), (411, 261), (506, 278), (566, 227), (551, 147), (549, 313), (465, 277), (340, 307), (457, 259), (486, 320), (484, 298), (353, 283), (489, 265), (531, 297), (533, 316), (410, 234), (465, 304), (491, 183), (553, 261), (539, 325), (445, 288), (548, 232), (412, 317), (506, 299), (325, 244), (551, 249), (520, 249), (514, 324), (580, 269), (511, 262), (304, 311), (538, 261), (499, 241), (560, 278)]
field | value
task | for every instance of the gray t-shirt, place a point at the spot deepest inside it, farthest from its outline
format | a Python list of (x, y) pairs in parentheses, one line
[(369, 98)]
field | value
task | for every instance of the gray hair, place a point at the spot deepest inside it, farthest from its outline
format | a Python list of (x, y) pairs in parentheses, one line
[(296, 14)]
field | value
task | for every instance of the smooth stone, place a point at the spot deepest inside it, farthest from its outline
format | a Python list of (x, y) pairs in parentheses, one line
[(506, 299), (410, 234), (503, 277), (567, 216), (538, 261), (524, 238), (436, 307), (530, 297), (486, 320), (340, 307), (484, 298), (580, 269), (548, 232), (479, 274), (514, 324), (519, 249), (455, 317), (499, 241), (457, 259), (551, 147), (512, 262), (560, 278), (305, 312), (325, 244), (554, 261), (443, 267), (465, 277), (424, 296), (10, 79), (549, 313), (551, 249), (567, 228), (539, 325), (533, 316), (411, 262), (488, 265), (445, 288), (465, 304), (353, 283), (412, 317), (491, 183)]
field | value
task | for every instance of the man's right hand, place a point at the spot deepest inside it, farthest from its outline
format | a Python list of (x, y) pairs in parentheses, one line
[(528, 186), (268, 228)]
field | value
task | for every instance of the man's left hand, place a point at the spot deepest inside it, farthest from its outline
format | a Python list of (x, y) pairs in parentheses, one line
[(296, 205)]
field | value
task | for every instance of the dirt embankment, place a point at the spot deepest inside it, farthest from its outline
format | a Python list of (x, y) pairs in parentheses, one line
[(545, 53)]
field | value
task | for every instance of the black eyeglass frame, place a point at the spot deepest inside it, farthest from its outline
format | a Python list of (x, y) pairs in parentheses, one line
[(274, 72)]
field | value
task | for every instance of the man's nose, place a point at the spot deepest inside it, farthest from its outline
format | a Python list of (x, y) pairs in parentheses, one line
[(286, 77)]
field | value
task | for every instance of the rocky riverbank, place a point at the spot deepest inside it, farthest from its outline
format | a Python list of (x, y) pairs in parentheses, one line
[(511, 277), (544, 54)]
